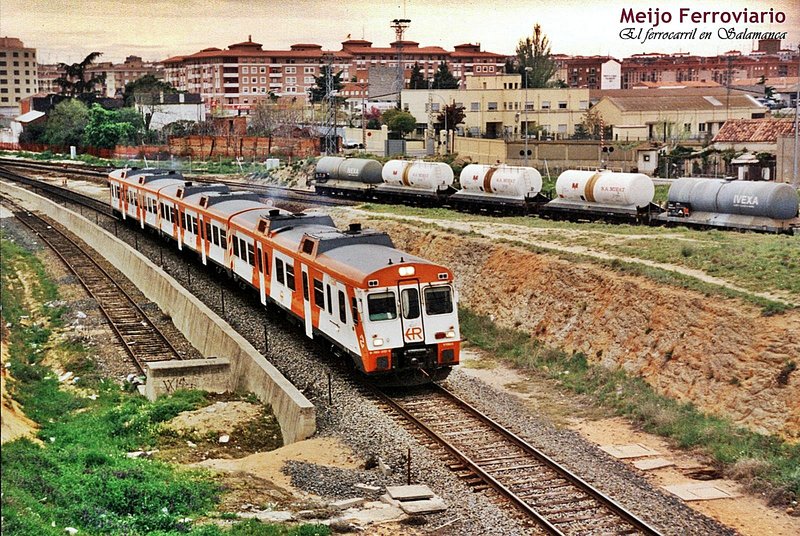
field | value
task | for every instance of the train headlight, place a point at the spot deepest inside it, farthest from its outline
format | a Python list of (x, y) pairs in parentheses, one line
[(406, 271), (377, 342), (450, 334)]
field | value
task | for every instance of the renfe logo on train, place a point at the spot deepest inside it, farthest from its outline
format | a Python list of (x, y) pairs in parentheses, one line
[(414, 333), (745, 200)]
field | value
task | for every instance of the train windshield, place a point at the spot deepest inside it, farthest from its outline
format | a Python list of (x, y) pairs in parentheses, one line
[(438, 300), (382, 306)]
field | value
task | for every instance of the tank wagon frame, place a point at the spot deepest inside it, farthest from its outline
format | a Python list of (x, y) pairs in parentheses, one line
[(580, 196), (393, 314)]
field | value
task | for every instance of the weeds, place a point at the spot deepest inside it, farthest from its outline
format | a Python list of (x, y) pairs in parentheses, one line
[(633, 397)]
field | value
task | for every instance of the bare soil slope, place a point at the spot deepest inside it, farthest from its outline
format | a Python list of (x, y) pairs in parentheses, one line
[(718, 353)]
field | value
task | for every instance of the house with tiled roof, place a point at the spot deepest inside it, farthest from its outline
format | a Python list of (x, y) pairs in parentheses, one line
[(766, 143), (662, 115), (236, 78)]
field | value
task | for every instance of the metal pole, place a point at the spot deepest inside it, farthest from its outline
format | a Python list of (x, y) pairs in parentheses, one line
[(525, 85), (408, 467), (330, 391)]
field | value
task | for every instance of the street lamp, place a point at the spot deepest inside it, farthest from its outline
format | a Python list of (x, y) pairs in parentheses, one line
[(525, 85)]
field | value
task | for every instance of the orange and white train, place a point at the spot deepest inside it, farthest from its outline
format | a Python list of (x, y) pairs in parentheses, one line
[(392, 313)]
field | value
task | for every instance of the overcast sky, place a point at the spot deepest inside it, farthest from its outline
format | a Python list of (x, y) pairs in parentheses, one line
[(67, 30)]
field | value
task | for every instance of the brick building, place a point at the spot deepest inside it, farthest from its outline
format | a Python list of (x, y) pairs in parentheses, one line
[(226, 78)]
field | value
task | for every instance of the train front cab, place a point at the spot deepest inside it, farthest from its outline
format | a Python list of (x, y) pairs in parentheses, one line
[(411, 324)]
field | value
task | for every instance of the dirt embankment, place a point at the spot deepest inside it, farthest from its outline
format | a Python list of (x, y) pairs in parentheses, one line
[(721, 354)]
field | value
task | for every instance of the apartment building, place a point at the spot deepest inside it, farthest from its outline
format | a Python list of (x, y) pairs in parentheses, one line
[(18, 74), (120, 74), (236, 78), (501, 107)]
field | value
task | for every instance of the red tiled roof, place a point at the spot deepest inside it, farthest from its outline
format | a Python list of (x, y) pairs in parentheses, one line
[(754, 130)]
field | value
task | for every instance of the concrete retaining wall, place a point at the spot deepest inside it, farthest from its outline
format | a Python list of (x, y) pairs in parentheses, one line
[(164, 377), (208, 333)]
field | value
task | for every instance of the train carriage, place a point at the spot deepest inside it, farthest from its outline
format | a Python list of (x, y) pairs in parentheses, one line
[(393, 314)]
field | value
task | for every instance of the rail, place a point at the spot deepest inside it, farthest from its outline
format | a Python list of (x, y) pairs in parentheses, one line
[(142, 340), (557, 499)]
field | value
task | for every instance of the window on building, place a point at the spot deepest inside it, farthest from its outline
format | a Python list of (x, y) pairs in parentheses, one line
[(583, 105), (245, 80), (491, 106), (562, 128), (546, 105), (290, 70), (474, 106), (562, 105), (245, 70)]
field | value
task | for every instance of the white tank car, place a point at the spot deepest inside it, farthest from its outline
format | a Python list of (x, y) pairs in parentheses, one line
[(502, 180), (418, 174), (605, 187)]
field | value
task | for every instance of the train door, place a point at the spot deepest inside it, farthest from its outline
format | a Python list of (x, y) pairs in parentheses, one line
[(307, 303), (410, 311), (261, 264)]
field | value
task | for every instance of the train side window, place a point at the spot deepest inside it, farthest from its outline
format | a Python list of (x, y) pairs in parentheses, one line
[(194, 225), (342, 307), (382, 306), (319, 295), (251, 255), (266, 262), (279, 270), (235, 245), (330, 301), (409, 303), (290, 276), (223, 239), (305, 286), (208, 231), (354, 311), (438, 300)]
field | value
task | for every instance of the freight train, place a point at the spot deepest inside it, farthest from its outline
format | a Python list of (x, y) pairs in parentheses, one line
[(393, 314), (580, 195)]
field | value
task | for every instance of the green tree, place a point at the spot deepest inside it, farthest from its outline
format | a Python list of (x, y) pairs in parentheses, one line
[(66, 123), (590, 125), (443, 78), (73, 81), (534, 52), (145, 87), (399, 121), (108, 128), (417, 80), (510, 66), (319, 91)]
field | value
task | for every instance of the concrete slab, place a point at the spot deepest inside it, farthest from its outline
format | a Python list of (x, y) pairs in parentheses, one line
[(648, 464), (388, 500), (344, 504), (701, 491), (269, 516), (636, 450), (425, 506), (367, 487), (373, 515), (5, 213), (409, 493)]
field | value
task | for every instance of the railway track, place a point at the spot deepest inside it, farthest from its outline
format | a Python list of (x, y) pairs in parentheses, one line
[(142, 340), (291, 195), (488, 455)]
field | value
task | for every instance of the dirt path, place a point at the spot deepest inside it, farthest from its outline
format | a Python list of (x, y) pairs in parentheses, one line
[(525, 235)]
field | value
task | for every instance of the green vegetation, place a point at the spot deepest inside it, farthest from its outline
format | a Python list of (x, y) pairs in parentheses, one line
[(756, 262), (79, 475), (730, 445)]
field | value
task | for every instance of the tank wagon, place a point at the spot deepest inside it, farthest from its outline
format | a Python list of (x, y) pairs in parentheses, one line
[(603, 194), (393, 314), (347, 177), (737, 204), (426, 182), (498, 189)]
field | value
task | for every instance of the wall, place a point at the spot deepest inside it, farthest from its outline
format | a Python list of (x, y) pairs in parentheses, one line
[(244, 146), (207, 332)]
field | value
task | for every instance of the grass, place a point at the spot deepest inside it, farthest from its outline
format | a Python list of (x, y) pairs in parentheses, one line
[(79, 474), (730, 445)]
